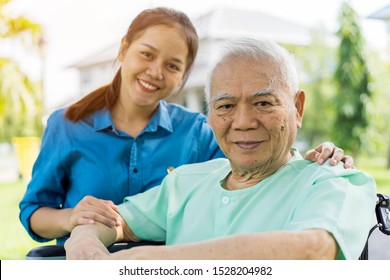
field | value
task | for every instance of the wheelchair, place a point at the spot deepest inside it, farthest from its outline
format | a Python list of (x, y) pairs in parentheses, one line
[(57, 252)]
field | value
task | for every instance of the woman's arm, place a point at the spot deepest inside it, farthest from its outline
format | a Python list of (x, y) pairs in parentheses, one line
[(50, 223)]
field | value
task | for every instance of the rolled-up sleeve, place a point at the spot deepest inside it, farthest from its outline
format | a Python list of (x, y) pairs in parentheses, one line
[(45, 187)]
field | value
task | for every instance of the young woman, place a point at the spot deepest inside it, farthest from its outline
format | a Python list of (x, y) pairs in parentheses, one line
[(121, 139)]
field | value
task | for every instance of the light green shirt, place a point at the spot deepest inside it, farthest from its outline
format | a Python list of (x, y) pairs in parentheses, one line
[(191, 205)]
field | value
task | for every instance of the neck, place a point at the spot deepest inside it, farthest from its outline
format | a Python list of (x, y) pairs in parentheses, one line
[(241, 178), (131, 119)]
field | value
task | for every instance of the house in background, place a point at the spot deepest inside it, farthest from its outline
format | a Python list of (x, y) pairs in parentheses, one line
[(212, 27), (383, 14)]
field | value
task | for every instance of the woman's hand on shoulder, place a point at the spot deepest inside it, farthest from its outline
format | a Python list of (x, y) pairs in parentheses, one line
[(328, 150)]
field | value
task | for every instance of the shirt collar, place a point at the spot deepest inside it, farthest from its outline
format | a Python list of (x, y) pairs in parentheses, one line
[(160, 118), (295, 155), (102, 119)]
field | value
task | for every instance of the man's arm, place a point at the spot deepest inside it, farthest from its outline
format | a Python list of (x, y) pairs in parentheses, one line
[(284, 245), (91, 241)]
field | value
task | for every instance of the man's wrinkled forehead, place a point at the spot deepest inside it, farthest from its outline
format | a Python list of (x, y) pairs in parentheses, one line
[(217, 96)]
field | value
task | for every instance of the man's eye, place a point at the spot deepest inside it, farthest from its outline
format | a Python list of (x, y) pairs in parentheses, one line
[(225, 107), (263, 104)]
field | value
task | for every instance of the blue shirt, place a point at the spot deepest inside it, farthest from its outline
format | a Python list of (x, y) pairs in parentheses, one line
[(91, 157)]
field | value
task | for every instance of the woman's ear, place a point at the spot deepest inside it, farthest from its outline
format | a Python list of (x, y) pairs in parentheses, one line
[(123, 48)]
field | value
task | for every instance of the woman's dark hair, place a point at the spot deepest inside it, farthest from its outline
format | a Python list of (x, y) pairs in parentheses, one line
[(106, 96)]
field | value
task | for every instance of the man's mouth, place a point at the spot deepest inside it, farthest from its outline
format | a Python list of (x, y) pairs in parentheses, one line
[(248, 145)]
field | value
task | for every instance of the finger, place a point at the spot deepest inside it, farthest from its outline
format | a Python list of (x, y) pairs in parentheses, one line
[(102, 219), (84, 221), (104, 208), (106, 212), (99, 202), (312, 155), (348, 162), (329, 146), (338, 155), (326, 151), (104, 204)]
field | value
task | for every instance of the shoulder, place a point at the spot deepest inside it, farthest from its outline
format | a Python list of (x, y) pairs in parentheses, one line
[(58, 124), (315, 173), (197, 176), (180, 113), (57, 115), (56, 119)]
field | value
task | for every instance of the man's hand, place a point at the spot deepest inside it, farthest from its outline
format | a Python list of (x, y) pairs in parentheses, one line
[(84, 243), (328, 150)]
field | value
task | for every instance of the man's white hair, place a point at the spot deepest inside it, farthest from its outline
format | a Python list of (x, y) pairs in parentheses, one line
[(255, 50)]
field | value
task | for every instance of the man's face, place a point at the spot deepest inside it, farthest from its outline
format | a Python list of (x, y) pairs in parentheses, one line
[(254, 117)]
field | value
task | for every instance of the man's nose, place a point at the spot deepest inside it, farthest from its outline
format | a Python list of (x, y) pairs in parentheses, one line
[(244, 119)]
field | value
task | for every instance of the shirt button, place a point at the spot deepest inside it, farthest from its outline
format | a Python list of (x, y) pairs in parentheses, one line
[(135, 170), (225, 200)]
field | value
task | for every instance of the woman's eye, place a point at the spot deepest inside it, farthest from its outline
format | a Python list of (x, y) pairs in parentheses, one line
[(173, 67), (146, 54)]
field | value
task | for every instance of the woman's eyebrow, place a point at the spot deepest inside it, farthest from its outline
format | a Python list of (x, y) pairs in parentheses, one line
[(177, 60)]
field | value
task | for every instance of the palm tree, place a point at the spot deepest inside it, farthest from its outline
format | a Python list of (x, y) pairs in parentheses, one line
[(21, 99)]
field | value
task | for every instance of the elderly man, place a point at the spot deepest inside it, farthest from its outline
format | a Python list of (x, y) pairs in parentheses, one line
[(262, 202)]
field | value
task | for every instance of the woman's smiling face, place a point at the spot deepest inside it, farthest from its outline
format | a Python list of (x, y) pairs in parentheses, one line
[(153, 65)]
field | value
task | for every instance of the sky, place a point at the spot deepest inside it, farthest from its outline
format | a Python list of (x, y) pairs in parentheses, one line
[(75, 29)]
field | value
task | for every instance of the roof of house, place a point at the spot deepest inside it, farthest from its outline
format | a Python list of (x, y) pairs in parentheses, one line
[(105, 55), (383, 13), (225, 23)]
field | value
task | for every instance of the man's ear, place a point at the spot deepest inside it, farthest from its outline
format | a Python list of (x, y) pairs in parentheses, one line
[(299, 106), (122, 50)]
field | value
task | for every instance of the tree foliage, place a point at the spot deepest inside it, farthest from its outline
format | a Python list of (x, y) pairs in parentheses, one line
[(316, 65), (353, 84), (21, 99)]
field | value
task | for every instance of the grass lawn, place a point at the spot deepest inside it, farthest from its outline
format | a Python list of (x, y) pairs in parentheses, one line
[(16, 242), (376, 168)]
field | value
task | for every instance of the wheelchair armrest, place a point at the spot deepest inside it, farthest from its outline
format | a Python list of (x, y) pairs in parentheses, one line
[(57, 252), (48, 252), (382, 211), (382, 214)]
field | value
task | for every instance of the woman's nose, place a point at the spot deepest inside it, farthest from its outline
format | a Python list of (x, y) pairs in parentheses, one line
[(155, 71)]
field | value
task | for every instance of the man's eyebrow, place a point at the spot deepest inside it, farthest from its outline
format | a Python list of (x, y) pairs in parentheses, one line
[(225, 95), (177, 60), (221, 96), (264, 91)]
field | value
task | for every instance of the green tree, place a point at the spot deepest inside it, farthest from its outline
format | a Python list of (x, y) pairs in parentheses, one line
[(316, 66), (21, 100), (353, 84)]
